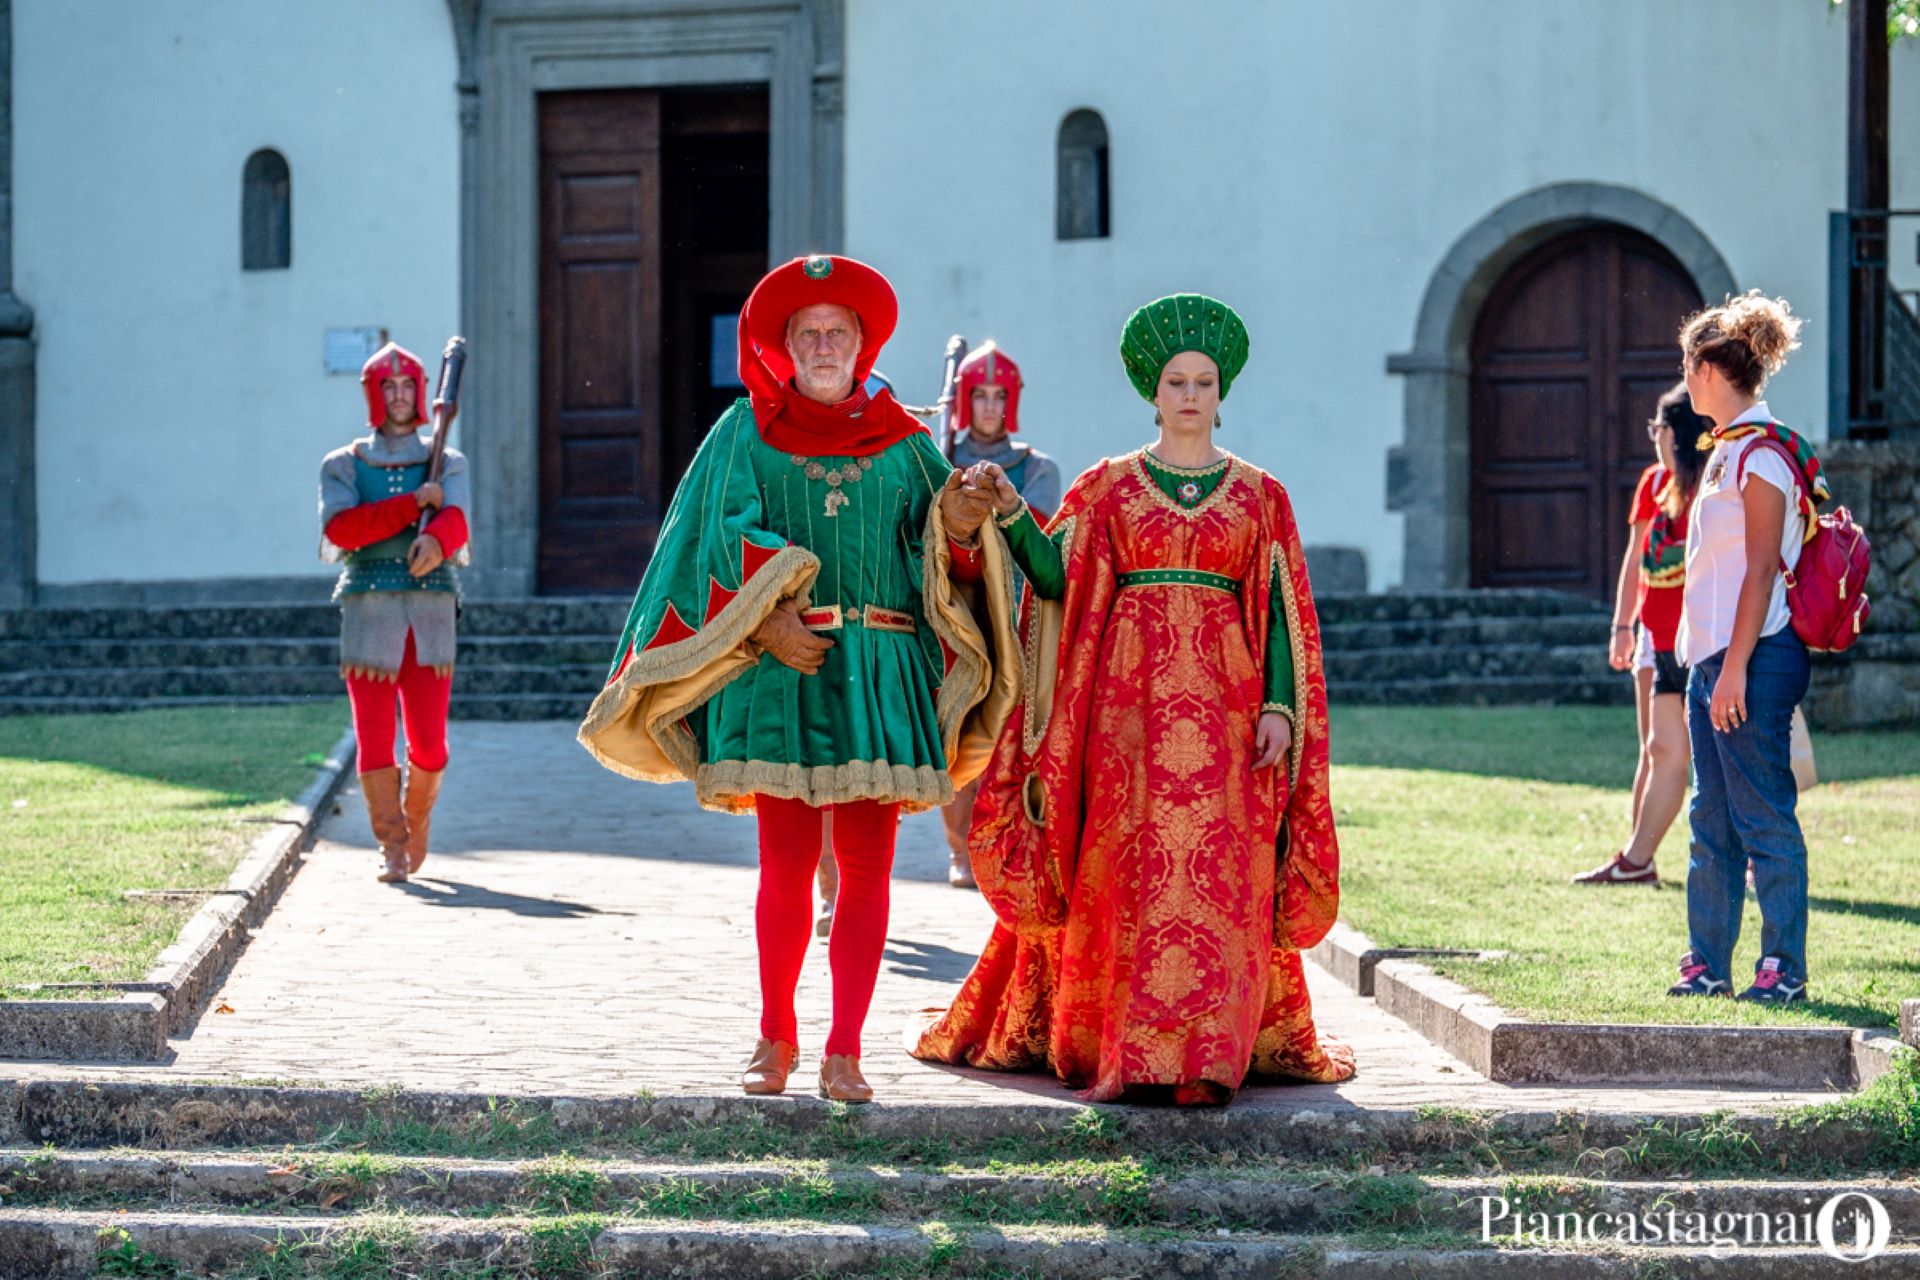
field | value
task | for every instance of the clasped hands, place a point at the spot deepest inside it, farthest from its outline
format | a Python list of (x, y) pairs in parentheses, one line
[(972, 495)]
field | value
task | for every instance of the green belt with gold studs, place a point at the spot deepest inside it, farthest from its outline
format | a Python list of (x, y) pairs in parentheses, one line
[(1182, 578)]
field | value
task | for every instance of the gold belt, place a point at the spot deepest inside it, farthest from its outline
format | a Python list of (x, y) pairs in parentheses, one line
[(832, 617)]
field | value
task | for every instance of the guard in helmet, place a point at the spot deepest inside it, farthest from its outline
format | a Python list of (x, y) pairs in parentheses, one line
[(986, 416), (397, 537)]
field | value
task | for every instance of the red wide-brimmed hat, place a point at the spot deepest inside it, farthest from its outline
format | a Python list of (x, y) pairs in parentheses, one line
[(805, 282)]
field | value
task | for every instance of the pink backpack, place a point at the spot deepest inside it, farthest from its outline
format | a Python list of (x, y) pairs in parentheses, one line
[(1827, 588)]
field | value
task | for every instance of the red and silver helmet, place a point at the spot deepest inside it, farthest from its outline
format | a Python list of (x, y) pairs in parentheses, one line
[(984, 365), (392, 361)]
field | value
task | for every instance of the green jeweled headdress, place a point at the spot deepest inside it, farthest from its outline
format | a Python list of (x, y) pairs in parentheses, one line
[(1165, 327)]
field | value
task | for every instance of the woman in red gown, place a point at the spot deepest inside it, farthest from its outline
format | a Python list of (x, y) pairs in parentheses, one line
[(1154, 831)]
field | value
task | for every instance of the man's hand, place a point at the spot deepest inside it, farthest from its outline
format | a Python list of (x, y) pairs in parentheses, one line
[(1272, 739), (785, 637), (963, 507), (430, 494), (425, 555)]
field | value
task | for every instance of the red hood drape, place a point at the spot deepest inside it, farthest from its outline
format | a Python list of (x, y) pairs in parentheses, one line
[(790, 421)]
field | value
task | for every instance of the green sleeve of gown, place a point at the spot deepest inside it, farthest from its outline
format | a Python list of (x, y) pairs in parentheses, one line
[(1038, 555), (1279, 692)]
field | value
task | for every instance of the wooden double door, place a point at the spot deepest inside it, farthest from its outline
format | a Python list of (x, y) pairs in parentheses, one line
[(1574, 347), (653, 230)]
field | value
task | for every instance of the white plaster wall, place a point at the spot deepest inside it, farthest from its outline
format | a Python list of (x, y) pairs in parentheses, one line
[(1311, 163), (182, 408)]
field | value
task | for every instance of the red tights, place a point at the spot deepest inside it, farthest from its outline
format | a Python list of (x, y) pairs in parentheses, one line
[(863, 834), (376, 704)]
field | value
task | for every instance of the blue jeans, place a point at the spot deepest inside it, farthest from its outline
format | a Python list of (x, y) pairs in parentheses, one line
[(1743, 807)]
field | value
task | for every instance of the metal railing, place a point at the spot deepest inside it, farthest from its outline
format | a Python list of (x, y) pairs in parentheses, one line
[(1874, 335)]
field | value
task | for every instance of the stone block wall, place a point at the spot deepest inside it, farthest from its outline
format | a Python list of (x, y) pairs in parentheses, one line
[(1877, 683)]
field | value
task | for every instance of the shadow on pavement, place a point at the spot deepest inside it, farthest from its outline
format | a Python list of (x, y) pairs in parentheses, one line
[(452, 893), (928, 960)]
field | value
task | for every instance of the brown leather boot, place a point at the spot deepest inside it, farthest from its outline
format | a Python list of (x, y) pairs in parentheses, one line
[(423, 790), (767, 1070), (840, 1079), (381, 790)]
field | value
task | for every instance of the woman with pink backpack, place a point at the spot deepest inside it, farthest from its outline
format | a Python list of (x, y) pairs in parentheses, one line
[(1754, 512)]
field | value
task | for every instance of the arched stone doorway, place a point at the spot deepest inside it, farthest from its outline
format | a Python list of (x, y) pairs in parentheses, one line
[(1430, 474), (1570, 352)]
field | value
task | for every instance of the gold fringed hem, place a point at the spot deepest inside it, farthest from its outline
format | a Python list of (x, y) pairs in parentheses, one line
[(728, 786), (633, 726), (350, 671), (981, 690)]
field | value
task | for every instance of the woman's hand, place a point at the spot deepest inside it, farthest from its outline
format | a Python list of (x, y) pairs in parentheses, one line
[(1620, 652), (991, 480), (1728, 710), (1272, 739)]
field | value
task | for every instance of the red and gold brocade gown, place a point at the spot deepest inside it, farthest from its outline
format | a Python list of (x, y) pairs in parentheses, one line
[(1148, 932)]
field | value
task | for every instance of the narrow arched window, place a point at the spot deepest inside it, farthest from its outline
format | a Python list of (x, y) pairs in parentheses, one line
[(266, 212), (1081, 204)]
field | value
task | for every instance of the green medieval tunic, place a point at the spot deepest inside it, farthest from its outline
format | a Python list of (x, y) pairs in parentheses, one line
[(922, 671)]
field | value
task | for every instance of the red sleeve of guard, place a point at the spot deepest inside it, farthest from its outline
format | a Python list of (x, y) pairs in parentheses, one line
[(370, 522), (449, 529), (965, 562)]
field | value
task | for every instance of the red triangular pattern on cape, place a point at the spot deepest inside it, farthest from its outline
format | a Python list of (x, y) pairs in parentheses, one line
[(672, 629), (718, 598), (946, 661), (621, 669), (753, 557)]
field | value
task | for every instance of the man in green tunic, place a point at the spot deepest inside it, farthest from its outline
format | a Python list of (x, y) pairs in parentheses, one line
[(827, 621)]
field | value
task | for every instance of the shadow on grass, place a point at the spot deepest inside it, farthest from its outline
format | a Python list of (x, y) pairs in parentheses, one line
[(245, 755), (1585, 746), (1897, 912)]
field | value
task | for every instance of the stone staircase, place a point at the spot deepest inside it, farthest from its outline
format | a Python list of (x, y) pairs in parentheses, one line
[(129, 1179), (545, 658)]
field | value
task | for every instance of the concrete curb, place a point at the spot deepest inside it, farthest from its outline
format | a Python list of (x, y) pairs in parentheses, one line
[(134, 1025), (1511, 1050), (63, 1244), (83, 1113), (1320, 1202)]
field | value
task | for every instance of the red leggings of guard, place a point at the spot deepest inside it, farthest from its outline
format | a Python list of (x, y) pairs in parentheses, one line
[(422, 693), (863, 834)]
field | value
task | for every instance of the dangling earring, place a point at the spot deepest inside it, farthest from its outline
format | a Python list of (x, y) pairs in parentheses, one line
[(1216, 421), (1158, 421)]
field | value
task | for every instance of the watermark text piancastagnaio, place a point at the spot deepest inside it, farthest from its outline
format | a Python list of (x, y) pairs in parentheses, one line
[(1851, 1226)]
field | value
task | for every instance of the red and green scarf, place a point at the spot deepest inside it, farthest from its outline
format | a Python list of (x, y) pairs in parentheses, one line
[(1813, 492), (1663, 561)]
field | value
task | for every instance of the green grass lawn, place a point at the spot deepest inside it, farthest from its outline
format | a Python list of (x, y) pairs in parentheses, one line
[(94, 805), (1460, 826)]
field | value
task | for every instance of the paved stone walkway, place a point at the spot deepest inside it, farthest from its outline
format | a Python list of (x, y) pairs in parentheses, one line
[(578, 932)]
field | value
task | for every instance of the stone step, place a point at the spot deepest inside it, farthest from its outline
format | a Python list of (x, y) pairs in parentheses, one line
[(96, 1113), (606, 615), (1553, 630), (76, 1243), (1282, 1201), (1483, 663), (226, 653)]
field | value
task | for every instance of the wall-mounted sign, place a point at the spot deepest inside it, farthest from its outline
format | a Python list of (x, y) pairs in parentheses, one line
[(347, 349), (723, 352)]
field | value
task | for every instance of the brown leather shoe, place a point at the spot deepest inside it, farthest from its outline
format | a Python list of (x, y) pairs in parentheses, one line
[(841, 1081), (423, 790), (768, 1068), (380, 788)]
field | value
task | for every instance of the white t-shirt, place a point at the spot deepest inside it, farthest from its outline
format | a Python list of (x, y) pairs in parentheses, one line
[(1717, 543)]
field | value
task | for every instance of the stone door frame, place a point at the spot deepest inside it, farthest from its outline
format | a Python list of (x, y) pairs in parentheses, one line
[(1429, 475), (510, 52)]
